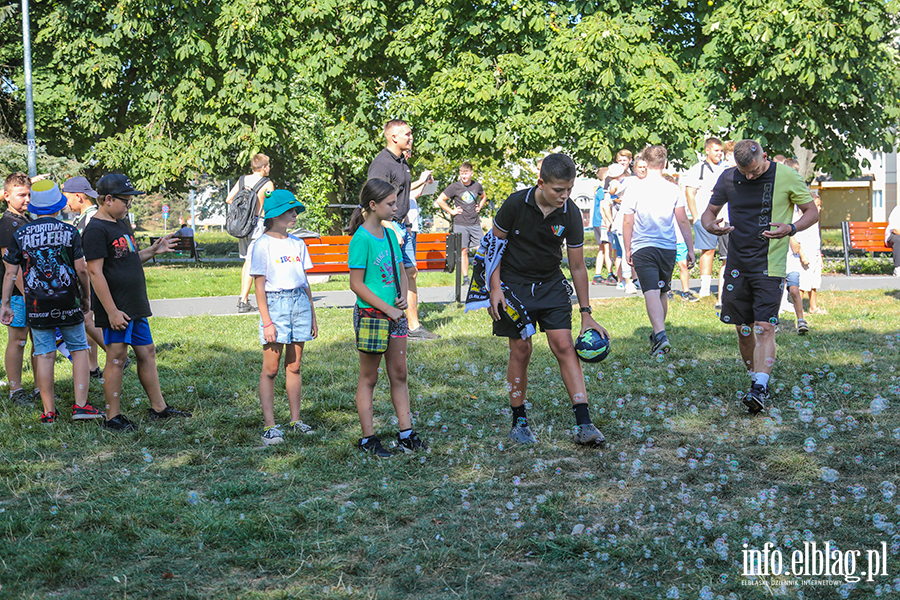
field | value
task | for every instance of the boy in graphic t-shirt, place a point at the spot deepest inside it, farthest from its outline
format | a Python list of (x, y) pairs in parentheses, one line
[(468, 199), (119, 298), (55, 278), (17, 193)]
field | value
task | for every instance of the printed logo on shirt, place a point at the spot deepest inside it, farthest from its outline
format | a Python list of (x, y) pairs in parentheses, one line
[(289, 259), (558, 229), (467, 197), (124, 246)]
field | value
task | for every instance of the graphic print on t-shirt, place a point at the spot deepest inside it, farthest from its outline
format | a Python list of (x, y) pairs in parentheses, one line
[(124, 245)]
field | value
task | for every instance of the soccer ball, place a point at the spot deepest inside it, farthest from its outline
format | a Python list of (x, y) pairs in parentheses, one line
[(590, 347)]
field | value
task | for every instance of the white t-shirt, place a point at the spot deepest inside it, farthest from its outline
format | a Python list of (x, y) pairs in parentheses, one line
[(413, 215), (653, 201), (703, 176), (893, 223), (283, 262)]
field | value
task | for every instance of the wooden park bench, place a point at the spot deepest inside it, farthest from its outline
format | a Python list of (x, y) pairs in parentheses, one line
[(184, 246), (862, 235), (434, 252)]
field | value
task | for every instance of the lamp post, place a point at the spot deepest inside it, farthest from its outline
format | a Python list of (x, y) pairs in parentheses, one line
[(29, 99)]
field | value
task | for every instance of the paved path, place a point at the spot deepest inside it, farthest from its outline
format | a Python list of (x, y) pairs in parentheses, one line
[(227, 305)]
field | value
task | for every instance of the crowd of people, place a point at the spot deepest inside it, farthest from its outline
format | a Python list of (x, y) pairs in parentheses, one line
[(84, 283)]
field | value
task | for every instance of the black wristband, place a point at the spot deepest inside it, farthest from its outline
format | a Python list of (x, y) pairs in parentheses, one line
[(585, 309), (793, 229)]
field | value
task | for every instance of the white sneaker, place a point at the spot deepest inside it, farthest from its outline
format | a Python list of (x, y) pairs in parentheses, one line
[(272, 436), (897, 272), (630, 289)]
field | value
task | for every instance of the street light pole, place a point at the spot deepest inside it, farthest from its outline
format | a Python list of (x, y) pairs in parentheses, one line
[(29, 98)]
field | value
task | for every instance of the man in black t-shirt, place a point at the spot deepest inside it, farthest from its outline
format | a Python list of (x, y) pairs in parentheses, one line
[(390, 165), (17, 192), (535, 222), (468, 199), (119, 298)]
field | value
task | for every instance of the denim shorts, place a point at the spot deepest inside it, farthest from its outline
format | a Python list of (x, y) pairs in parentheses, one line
[(136, 334), (792, 279), (44, 340), (291, 313), (408, 248), (18, 307)]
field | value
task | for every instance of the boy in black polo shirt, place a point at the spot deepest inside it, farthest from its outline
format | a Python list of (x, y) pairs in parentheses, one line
[(535, 222)]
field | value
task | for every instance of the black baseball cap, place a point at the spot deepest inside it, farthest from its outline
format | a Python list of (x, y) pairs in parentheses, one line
[(116, 184)]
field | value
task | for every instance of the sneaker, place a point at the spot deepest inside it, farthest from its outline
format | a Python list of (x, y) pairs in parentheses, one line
[(631, 288), (119, 423), (620, 285), (373, 446), (97, 374), (272, 436), (897, 272), (465, 280), (588, 435), (412, 443), (86, 412), (420, 333), (669, 295), (718, 305), (127, 363), (21, 398), (661, 346), (522, 435), (756, 398), (300, 427), (245, 307), (802, 327), (689, 297), (598, 279), (611, 280), (48, 418), (167, 413)]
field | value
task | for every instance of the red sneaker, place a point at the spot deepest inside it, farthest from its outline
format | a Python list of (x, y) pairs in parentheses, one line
[(86, 412)]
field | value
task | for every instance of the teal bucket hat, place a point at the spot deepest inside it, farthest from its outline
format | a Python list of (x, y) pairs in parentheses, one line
[(279, 202)]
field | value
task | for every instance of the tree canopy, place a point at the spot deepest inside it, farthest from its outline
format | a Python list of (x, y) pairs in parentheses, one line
[(169, 91)]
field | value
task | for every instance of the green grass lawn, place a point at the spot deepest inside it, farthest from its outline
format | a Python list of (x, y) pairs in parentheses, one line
[(199, 509)]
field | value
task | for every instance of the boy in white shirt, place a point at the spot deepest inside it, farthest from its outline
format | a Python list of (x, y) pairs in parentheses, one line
[(652, 209)]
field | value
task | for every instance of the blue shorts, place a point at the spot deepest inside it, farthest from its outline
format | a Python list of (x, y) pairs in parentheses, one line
[(408, 248), (44, 340), (680, 252), (136, 334), (792, 279), (614, 243), (18, 307), (291, 313)]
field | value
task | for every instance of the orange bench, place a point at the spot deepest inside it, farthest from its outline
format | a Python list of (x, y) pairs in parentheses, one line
[(434, 252), (862, 235)]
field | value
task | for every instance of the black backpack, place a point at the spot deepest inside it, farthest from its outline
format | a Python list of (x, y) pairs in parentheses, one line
[(242, 215)]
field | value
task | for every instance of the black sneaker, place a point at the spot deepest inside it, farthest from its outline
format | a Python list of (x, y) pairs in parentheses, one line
[(118, 423), (245, 307), (412, 443), (373, 446), (756, 398), (689, 297), (802, 327), (660, 346), (21, 398), (97, 373), (167, 413)]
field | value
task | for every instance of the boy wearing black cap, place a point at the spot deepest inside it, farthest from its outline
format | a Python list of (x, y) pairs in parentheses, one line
[(49, 253), (119, 298)]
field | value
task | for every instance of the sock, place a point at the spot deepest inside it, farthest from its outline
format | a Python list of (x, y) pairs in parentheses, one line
[(752, 376), (520, 419), (405, 433), (762, 379), (705, 281), (582, 416)]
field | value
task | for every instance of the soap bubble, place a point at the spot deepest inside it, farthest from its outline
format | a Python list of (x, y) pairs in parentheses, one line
[(735, 273), (810, 445), (193, 498)]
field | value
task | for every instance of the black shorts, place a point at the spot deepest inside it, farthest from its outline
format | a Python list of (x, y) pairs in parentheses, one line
[(653, 267), (750, 298), (723, 247), (548, 304)]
